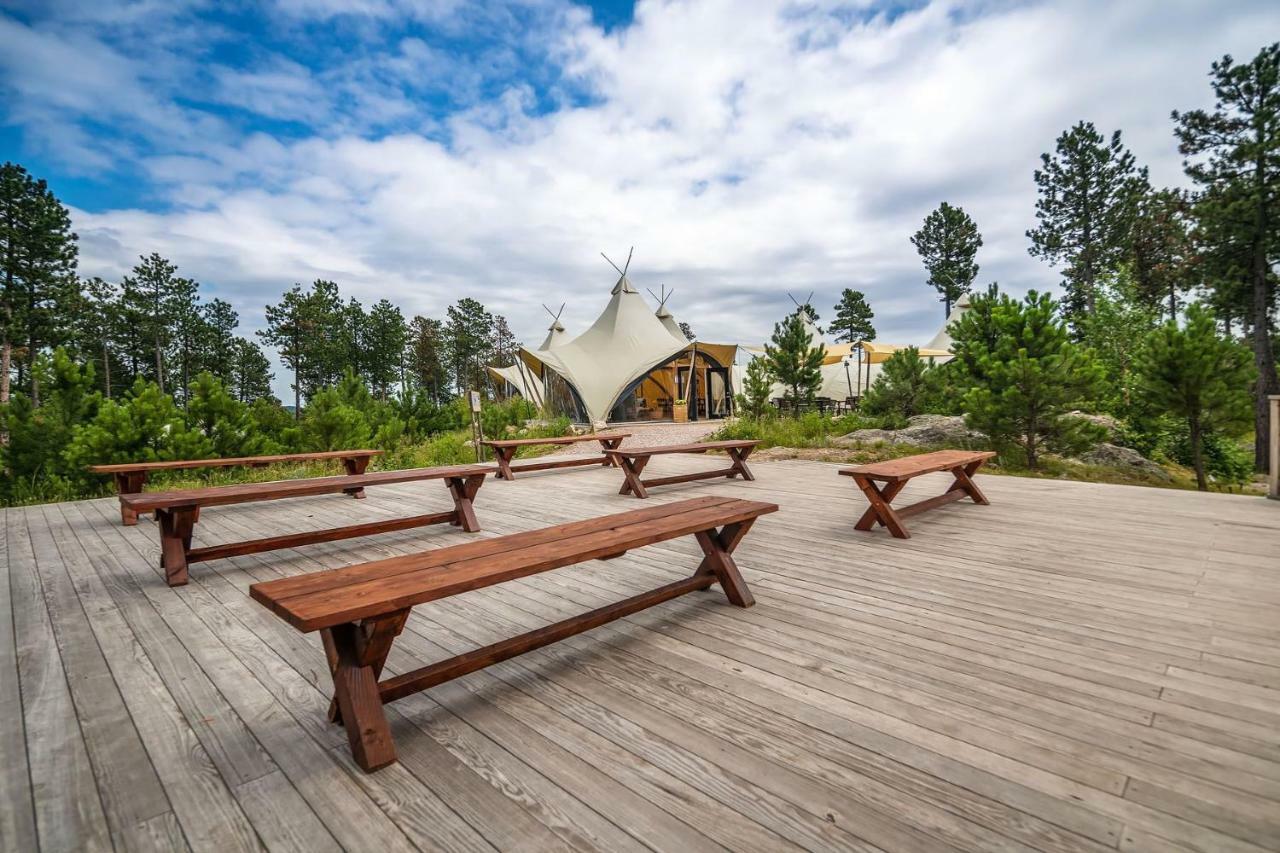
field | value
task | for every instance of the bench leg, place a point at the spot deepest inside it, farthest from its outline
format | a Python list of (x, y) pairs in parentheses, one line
[(129, 484), (631, 469), (464, 492), (503, 456), (355, 465), (739, 456), (609, 444), (175, 541), (964, 480), (880, 511), (355, 686), (374, 638), (718, 546)]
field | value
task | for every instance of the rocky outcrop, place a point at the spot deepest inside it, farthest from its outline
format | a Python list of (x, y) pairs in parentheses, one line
[(1115, 456), (1108, 423), (921, 431)]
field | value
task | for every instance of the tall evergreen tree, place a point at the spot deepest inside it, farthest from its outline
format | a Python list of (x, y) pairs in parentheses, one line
[(38, 284), (793, 359), (1195, 374), (158, 300), (757, 385), (216, 345), (853, 318), (504, 345), (250, 372), (426, 357), (948, 242), (1234, 151), (468, 333), (384, 343), (289, 327), (1089, 191), (1024, 374), (1161, 249), (902, 388)]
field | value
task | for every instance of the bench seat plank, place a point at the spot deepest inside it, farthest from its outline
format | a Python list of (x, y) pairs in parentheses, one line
[(632, 461), (131, 477), (504, 450), (896, 473), (360, 610), (178, 511)]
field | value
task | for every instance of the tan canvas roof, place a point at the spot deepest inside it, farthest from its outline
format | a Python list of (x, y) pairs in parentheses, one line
[(624, 343), (522, 379)]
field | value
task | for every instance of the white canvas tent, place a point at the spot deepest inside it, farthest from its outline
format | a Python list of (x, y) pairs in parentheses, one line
[(522, 377), (625, 342)]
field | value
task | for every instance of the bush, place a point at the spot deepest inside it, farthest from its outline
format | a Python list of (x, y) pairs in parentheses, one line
[(808, 430)]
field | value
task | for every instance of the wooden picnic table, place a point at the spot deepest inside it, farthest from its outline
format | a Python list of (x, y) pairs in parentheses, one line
[(178, 511), (130, 477), (633, 460), (504, 450), (896, 473), (360, 610)]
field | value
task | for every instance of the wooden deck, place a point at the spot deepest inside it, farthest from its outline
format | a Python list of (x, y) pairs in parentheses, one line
[(1076, 667)]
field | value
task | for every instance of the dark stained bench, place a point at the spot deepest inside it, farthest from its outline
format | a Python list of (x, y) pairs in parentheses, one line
[(504, 450), (130, 477), (633, 460), (178, 511), (896, 473), (360, 610)]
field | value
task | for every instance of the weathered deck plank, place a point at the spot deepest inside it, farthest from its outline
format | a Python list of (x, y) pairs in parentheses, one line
[(1075, 667)]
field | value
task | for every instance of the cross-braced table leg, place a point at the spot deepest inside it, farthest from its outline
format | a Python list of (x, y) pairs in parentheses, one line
[(176, 524), (631, 468), (964, 480), (464, 491), (739, 456), (503, 456), (355, 687), (880, 511), (355, 465), (717, 548)]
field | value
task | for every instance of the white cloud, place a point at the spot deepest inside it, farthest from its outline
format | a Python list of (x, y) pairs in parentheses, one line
[(746, 150)]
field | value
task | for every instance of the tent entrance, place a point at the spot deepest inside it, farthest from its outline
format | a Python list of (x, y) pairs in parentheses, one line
[(710, 395)]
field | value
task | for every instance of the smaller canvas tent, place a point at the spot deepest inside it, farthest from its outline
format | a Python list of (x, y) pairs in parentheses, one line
[(521, 378)]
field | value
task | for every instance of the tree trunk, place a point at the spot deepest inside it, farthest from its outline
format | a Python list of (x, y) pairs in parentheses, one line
[(1197, 453), (1263, 356), (1173, 302), (297, 385), (106, 368), (159, 366), (6, 363)]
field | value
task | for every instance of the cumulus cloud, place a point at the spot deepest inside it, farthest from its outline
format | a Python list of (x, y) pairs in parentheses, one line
[(745, 149)]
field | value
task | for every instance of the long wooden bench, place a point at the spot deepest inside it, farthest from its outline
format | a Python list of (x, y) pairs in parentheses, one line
[(632, 460), (360, 610), (131, 477), (178, 511), (504, 450), (896, 473)]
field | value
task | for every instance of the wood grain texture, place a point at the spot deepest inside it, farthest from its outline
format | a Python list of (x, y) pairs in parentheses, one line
[(1076, 667), (227, 462)]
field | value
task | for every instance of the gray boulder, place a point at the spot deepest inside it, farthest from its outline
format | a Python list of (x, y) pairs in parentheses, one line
[(1114, 456), (1108, 423), (921, 431)]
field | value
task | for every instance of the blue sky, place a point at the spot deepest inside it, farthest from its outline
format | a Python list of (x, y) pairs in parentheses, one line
[(425, 150)]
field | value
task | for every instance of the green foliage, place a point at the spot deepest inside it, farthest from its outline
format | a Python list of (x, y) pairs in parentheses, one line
[(1193, 373), (1233, 152), (1089, 192), (1115, 331), (808, 430), (793, 360), (947, 243), (146, 426), (757, 386), (1161, 249), (853, 318), (226, 422), (905, 387), (1024, 375), (38, 436)]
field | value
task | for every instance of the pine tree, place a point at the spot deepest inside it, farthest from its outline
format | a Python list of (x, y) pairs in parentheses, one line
[(37, 436), (384, 342), (1089, 192), (1160, 248), (158, 298), (793, 360), (686, 330), (97, 321), (1193, 373), (145, 426), (757, 386), (853, 318), (38, 285), (468, 334), (427, 357), (504, 345), (1234, 152), (1024, 374), (217, 345), (250, 372), (947, 243), (902, 389), (1115, 331)]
